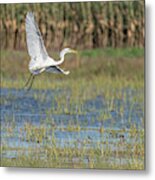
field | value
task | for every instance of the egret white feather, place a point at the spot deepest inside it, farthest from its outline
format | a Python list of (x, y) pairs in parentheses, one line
[(40, 60)]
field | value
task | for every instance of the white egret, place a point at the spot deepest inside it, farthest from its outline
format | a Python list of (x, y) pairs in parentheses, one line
[(40, 60)]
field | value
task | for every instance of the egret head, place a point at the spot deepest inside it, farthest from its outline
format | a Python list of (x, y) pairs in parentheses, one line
[(66, 51)]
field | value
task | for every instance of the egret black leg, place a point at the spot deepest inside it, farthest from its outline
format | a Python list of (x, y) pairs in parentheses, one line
[(31, 82), (27, 82)]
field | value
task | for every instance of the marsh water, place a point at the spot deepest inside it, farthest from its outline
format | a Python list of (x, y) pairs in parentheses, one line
[(37, 111)]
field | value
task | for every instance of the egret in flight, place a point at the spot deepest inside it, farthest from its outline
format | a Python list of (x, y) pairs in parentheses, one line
[(40, 60)]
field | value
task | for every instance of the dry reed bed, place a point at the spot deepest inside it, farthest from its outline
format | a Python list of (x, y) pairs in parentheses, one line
[(82, 25)]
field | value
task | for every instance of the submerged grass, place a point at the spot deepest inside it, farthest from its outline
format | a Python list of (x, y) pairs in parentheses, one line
[(45, 151)]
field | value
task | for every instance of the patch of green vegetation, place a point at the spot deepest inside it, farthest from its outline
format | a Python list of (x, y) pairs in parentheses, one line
[(109, 67), (114, 53)]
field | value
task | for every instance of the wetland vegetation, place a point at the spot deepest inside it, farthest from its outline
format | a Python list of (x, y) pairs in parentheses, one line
[(93, 118)]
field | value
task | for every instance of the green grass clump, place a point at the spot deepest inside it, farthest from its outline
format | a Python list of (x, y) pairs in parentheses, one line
[(114, 53)]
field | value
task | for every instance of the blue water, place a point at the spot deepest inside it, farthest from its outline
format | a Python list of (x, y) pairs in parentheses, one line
[(19, 107)]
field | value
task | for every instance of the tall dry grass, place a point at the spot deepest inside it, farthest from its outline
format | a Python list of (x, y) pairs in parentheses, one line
[(81, 25)]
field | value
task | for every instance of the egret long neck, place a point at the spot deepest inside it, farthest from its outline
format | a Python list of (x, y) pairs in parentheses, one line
[(62, 55)]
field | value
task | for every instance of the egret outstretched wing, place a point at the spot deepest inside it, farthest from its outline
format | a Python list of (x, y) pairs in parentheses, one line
[(34, 39), (40, 61)]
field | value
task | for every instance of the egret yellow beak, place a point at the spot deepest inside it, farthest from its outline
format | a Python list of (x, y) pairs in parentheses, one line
[(73, 51)]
